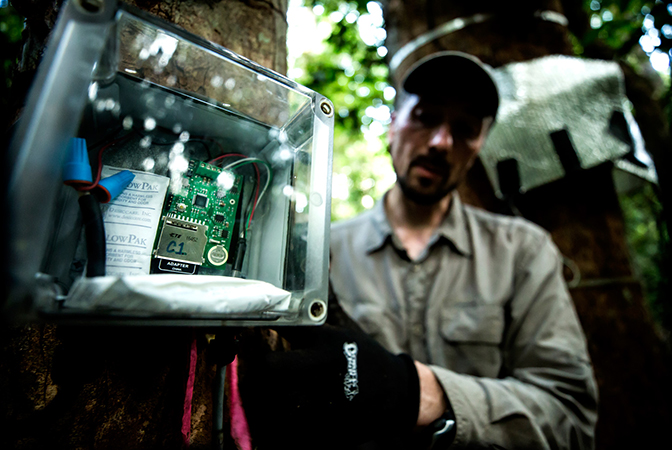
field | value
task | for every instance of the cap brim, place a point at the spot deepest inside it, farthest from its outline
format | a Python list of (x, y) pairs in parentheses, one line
[(454, 75)]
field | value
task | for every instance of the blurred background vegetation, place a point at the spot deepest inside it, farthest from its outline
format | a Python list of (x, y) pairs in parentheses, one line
[(343, 57), (345, 61), (11, 26)]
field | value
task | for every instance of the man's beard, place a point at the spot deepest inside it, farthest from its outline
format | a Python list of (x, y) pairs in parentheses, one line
[(420, 198)]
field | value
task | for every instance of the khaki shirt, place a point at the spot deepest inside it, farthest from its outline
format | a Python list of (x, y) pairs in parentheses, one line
[(486, 307)]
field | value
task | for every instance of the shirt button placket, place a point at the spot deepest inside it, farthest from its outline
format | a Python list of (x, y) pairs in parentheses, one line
[(416, 293)]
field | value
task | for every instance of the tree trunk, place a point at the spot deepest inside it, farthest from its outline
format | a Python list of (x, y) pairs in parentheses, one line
[(114, 387), (631, 360)]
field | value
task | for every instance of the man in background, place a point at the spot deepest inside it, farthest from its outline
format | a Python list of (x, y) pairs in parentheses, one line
[(476, 299)]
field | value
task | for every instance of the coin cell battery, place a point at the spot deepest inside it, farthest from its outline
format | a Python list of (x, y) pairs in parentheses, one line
[(217, 255)]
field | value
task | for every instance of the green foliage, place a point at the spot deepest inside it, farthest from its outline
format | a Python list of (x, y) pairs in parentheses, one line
[(630, 29), (11, 26), (649, 243), (614, 21), (353, 75)]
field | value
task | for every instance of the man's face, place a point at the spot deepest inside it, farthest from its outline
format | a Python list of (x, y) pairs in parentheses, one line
[(433, 145)]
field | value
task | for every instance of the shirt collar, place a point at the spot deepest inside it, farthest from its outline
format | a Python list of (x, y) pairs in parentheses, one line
[(454, 228), (381, 231)]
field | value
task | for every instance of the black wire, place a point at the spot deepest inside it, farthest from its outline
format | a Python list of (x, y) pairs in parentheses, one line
[(224, 349), (95, 148), (94, 230), (218, 409), (240, 257), (250, 201), (247, 200)]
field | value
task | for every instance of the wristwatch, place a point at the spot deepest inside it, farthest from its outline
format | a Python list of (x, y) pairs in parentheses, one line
[(440, 434)]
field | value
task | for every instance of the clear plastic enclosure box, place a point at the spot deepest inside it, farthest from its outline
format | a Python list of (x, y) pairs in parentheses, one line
[(218, 170)]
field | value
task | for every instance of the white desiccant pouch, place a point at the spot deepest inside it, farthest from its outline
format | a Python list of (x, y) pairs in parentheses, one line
[(177, 293), (131, 221)]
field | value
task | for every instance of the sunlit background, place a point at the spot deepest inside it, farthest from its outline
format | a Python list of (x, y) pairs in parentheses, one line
[(338, 50)]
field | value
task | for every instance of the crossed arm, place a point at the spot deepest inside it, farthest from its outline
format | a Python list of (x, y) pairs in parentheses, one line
[(545, 395), (432, 399)]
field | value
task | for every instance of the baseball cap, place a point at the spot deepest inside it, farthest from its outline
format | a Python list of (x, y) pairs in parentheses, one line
[(454, 75)]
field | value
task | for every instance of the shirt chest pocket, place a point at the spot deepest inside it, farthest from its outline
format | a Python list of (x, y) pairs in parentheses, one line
[(472, 337), (381, 325)]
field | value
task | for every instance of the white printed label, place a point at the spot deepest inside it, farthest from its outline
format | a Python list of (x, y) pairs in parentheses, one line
[(131, 221), (351, 382)]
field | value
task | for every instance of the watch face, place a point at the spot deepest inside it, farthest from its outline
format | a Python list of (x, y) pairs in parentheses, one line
[(439, 434)]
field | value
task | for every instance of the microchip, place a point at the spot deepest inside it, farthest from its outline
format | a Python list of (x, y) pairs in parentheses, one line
[(219, 218), (200, 201), (225, 234)]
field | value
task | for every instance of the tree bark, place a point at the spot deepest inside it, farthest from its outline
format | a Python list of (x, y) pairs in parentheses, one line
[(631, 360), (114, 387)]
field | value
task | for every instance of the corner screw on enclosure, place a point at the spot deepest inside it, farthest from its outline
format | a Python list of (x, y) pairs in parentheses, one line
[(318, 309), (326, 108)]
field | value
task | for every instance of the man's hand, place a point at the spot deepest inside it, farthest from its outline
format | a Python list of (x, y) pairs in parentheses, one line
[(432, 399), (335, 387)]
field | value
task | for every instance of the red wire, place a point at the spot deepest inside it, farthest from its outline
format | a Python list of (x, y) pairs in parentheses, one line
[(100, 169), (100, 166), (227, 155), (256, 169), (256, 200)]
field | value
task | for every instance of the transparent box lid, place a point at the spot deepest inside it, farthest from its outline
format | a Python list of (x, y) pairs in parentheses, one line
[(217, 172)]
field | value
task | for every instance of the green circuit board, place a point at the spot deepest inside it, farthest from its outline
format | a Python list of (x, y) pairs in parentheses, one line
[(197, 223)]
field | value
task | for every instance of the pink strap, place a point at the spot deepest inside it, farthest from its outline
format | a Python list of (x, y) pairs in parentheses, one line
[(240, 431), (188, 395)]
